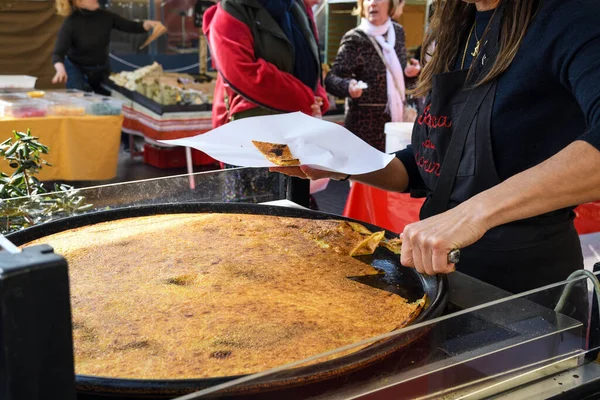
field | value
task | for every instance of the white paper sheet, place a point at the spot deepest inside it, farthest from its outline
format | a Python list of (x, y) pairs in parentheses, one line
[(315, 142)]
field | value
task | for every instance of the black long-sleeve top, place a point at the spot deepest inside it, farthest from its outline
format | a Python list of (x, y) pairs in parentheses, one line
[(85, 36), (550, 95)]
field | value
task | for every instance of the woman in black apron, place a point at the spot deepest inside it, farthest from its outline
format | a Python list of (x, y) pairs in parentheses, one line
[(514, 232), (517, 256)]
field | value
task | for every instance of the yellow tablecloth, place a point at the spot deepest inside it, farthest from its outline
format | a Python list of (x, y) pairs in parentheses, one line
[(81, 148)]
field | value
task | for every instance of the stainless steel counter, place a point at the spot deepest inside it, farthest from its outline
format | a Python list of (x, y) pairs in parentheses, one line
[(486, 344)]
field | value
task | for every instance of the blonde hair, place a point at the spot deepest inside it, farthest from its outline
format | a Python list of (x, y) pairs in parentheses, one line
[(64, 7), (359, 10)]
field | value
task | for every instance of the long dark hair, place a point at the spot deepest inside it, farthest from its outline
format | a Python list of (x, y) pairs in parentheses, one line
[(450, 26)]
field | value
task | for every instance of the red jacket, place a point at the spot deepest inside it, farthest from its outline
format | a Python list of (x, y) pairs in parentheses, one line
[(256, 81)]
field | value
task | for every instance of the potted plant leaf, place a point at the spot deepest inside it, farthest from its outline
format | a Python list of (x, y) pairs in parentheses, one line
[(23, 199)]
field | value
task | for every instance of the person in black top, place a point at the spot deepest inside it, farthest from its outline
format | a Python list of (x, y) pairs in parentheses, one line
[(81, 52), (507, 145)]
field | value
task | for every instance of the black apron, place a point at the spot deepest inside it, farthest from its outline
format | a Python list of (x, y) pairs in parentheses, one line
[(452, 145)]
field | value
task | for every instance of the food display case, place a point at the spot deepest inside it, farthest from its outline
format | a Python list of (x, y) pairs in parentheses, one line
[(472, 340)]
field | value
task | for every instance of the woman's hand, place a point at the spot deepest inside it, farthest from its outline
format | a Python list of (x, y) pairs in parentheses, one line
[(316, 107), (393, 177), (306, 172), (426, 244), (413, 68), (156, 26), (61, 73), (353, 89)]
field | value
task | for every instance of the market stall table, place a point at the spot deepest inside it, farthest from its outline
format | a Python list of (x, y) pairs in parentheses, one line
[(81, 148)]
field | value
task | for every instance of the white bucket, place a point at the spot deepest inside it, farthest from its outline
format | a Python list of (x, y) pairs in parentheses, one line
[(17, 81), (397, 135)]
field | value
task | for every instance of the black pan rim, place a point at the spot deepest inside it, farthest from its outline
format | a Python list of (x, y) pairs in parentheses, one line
[(110, 385)]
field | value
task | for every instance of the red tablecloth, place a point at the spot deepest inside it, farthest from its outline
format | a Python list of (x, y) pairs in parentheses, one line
[(141, 121), (393, 211), (587, 218)]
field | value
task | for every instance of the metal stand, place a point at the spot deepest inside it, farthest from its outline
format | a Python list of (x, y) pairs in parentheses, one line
[(576, 274), (199, 10), (298, 191), (594, 331), (183, 14)]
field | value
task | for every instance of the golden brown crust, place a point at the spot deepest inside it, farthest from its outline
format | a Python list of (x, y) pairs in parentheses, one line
[(206, 295), (393, 245), (359, 228), (279, 154), (368, 245)]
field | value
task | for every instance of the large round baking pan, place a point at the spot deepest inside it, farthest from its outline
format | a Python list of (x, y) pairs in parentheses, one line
[(412, 284)]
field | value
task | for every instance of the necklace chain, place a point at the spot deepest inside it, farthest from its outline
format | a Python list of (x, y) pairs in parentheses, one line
[(475, 52)]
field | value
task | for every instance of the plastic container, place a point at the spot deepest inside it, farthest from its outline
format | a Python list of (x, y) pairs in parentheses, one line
[(24, 109), (68, 93), (11, 97), (102, 105), (17, 81), (65, 95), (397, 135), (66, 108)]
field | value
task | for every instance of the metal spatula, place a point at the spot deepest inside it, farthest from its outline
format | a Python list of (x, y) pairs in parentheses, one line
[(379, 281)]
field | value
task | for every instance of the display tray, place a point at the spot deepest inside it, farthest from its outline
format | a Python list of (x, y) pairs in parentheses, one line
[(157, 107), (407, 281)]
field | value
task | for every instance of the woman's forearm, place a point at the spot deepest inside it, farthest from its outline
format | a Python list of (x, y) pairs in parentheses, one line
[(569, 178), (393, 177)]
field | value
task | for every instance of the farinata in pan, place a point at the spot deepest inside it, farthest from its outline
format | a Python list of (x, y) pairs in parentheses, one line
[(206, 295)]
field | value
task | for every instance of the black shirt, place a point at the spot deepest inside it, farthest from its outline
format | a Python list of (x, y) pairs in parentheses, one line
[(85, 36), (549, 95)]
